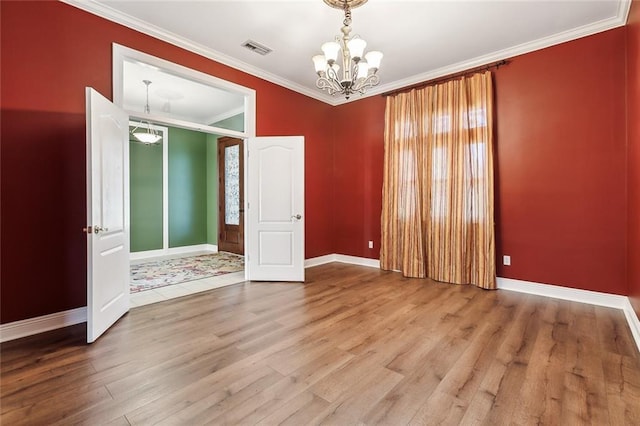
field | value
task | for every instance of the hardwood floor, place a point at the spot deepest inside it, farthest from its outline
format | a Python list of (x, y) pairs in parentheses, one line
[(355, 345)]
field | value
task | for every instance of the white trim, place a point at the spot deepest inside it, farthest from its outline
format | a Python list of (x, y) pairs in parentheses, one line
[(320, 260), (199, 248), (354, 260), (165, 190), (577, 295), (225, 115), (28, 327), (633, 321), (342, 258), (564, 293), (113, 15), (123, 53), (541, 43)]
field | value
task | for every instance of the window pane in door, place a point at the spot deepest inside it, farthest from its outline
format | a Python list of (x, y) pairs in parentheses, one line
[(232, 185)]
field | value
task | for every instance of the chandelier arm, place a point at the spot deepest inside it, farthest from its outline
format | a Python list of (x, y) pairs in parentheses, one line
[(367, 83), (329, 85), (332, 77)]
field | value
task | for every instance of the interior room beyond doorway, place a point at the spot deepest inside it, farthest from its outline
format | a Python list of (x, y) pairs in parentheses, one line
[(175, 215)]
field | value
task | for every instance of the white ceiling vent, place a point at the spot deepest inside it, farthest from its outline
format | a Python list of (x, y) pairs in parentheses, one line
[(256, 47)]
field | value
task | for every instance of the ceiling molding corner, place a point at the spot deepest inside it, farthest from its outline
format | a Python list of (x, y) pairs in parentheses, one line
[(128, 21), (541, 43)]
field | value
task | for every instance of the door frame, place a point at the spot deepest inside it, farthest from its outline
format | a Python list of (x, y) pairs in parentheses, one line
[(122, 54), (222, 204)]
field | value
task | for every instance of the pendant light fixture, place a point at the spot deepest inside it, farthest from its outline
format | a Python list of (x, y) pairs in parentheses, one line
[(149, 135), (358, 74)]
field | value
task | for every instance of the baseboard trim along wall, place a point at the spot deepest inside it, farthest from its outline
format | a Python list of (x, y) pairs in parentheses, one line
[(140, 255), (31, 326)]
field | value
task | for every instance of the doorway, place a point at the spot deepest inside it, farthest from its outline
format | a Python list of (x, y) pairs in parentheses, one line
[(175, 182), (231, 195)]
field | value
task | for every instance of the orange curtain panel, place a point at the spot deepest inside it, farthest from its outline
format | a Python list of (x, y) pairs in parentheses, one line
[(438, 213)]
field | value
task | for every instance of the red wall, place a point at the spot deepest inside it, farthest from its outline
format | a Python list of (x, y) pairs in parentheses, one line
[(560, 166), (633, 183), (357, 176), (50, 51)]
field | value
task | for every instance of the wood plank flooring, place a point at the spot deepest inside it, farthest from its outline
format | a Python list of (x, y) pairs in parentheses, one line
[(354, 345)]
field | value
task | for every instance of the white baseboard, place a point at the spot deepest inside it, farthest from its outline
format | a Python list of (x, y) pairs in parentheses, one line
[(31, 326), (320, 260), (633, 321), (342, 258), (564, 293), (576, 295), (140, 255), (354, 260), (28, 327)]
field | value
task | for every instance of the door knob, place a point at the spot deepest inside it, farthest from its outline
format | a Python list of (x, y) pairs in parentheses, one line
[(98, 229), (297, 216)]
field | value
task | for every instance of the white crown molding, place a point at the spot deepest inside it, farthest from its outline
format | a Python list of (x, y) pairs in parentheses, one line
[(128, 21), (566, 36)]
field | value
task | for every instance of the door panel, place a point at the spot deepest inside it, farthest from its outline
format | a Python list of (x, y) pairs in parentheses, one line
[(231, 195), (276, 208), (107, 214)]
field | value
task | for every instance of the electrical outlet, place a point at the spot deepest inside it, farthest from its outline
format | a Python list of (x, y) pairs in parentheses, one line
[(370, 244), (506, 260)]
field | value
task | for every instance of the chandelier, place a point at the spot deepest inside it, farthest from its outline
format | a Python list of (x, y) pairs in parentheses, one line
[(149, 135), (357, 74)]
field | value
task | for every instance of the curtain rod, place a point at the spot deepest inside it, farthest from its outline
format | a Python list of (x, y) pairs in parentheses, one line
[(487, 67)]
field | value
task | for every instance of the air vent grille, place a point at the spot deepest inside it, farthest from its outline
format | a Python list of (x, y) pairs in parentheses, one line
[(256, 47)]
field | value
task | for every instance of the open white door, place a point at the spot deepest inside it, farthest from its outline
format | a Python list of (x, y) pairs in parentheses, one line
[(275, 208), (107, 214)]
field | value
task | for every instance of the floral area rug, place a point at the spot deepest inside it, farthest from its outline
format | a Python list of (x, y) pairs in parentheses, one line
[(160, 273)]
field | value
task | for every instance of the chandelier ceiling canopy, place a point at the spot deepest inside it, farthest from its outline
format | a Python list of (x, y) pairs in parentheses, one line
[(346, 53)]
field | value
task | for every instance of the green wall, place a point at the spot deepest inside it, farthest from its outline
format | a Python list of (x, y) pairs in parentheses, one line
[(193, 191), (187, 187), (146, 196)]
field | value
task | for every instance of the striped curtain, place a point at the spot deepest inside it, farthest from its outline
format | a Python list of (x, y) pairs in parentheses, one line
[(437, 216)]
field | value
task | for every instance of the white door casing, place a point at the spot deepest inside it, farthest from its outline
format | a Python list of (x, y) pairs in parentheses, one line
[(275, 208), (107, 214)]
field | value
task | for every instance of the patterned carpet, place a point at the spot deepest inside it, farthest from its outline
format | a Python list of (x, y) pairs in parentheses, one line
[(149, 275)]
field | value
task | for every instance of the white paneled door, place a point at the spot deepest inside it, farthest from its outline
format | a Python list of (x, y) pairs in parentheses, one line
[(107, 214), (275, 208)]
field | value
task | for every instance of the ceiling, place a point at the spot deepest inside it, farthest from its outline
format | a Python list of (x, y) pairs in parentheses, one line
[(175, 96), (420, 40)]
